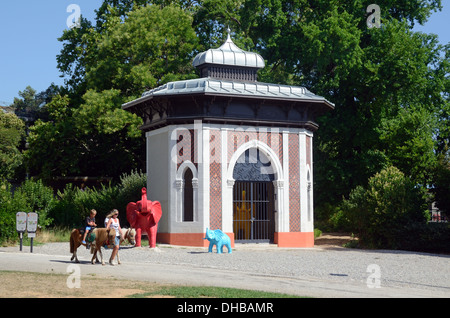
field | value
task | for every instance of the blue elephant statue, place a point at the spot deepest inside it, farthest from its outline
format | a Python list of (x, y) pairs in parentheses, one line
[(219, 239)]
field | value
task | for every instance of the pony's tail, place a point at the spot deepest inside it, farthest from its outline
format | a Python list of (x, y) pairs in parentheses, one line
[(72, 243)]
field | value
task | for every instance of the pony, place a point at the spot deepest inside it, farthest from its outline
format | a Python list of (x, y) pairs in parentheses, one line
[(75, 243), (128, 234), (102, 237)]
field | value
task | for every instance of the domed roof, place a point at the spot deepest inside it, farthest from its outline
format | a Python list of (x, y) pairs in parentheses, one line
[(229, 54)]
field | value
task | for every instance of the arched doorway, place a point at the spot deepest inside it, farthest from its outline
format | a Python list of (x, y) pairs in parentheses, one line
[(253, 198)]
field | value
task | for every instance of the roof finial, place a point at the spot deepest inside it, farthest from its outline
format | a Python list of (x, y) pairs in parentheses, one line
[(229, 32)]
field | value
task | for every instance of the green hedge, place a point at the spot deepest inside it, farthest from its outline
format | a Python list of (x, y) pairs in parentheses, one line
[(424, 237), (74, 204), (69, 207)]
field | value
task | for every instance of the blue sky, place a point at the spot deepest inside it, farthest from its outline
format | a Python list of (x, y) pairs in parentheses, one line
[(29, 30), (28, 40)]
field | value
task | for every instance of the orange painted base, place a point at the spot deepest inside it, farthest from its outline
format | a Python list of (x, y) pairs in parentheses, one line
[(282, 239), (294, 239), (187, 239)]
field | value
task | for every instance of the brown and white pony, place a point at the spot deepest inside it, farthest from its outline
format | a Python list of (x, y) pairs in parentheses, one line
[(128, 234), (75, 243), (102, 237)]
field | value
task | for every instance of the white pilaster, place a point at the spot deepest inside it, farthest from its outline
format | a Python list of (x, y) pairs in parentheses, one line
[(283, 216), (303, 184), (227, 191), (204, 178)]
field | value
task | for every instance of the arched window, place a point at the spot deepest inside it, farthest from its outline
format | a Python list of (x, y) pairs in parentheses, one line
[(188, 197)]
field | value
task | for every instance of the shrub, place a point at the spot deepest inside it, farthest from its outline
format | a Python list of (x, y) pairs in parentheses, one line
[(317, 233), (74, 204), (31, 196), (68, 211), (130, 189), (7, 214), (390, 202), (39, 198), (441, 186), (424, 237)]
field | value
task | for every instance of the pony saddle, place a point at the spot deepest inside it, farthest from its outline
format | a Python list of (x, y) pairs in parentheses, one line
[(90, 237)]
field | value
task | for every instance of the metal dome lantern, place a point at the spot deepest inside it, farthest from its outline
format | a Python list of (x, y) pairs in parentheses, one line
[(229, 62)]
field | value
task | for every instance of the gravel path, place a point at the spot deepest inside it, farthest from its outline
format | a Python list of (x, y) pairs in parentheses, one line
[(399, 269)]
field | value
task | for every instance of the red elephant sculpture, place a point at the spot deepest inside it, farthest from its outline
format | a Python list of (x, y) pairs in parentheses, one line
[(144, 215)]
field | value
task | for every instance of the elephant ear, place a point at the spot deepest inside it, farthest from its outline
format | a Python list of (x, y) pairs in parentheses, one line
[(157, 211), (131, 214)]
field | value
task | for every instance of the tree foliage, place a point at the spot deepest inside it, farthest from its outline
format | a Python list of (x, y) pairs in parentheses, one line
[(90, 140), (12, 131), (88, 133), (131, 51), (390, 201), (73, 204), (153, 46), (30, 196)]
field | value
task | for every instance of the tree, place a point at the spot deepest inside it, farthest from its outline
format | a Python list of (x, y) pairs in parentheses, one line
[(392, 82), (87, 132), (132, 48), (409, 143), (152, 47), (90, 140), (28, 104), (54, 144), (71, 60), (113, 143), (12, 131)]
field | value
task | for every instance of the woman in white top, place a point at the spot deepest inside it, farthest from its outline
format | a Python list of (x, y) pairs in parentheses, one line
[(114, 223)]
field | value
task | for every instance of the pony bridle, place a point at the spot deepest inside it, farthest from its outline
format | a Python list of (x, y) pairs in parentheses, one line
[(127, 235)]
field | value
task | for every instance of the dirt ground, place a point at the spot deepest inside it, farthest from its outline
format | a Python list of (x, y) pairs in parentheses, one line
[(332, 240), (34, 285)]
